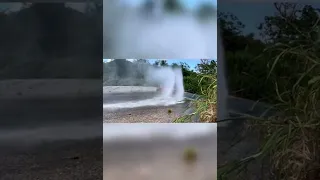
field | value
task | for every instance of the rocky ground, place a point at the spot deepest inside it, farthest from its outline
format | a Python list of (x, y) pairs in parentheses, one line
[(158, 114)]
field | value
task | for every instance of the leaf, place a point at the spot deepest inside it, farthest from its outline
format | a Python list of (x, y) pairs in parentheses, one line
[(313, 80)]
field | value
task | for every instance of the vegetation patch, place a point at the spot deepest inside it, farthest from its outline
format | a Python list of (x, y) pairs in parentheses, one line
[(283, 70)]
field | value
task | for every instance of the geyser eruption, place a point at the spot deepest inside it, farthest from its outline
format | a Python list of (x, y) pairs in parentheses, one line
[(169, 79), (128, 32), (179, 95), (140, 73)]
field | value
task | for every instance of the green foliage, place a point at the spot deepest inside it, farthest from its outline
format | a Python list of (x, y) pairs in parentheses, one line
[(161, 63), (191, 84), (207, 66), (282, 69), (204, 83), (173, 6), (192, 78), (249, 60), (206, 11)]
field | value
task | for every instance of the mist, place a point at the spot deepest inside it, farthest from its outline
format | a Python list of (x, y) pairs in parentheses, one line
[(169, 80), (137, 33)]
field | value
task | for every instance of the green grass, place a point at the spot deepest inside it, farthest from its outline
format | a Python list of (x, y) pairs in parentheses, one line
[(205, 106), (289, 139)]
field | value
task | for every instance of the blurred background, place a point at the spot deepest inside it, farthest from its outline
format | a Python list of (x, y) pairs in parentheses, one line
[(272, 58), (160, 151), (38, 42), (159, 29), (130, 97), (50, 90), (130, 72)]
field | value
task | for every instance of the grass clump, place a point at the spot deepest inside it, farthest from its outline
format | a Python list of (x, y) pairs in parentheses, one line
[(290, 138), (206, 105)]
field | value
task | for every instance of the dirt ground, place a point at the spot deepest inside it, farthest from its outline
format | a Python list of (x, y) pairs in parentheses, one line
[(143, 115)]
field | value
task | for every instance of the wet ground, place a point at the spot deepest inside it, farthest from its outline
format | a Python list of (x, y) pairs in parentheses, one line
[(159, 159), (147, 114), (111, 98)]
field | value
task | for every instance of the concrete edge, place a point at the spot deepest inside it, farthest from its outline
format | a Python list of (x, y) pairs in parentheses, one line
[(128, 89)]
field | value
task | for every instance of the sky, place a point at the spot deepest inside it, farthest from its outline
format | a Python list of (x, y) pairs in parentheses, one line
[(191, 62), (252, 13), (191, 4), (188, 3)]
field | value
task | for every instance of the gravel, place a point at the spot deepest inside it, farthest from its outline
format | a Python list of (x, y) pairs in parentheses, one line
[(144, 115)]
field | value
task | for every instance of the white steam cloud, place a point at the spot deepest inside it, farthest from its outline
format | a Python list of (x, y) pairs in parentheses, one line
[(169, 79), (130, 32)]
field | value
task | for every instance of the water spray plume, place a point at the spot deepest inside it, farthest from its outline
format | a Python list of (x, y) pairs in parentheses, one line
[(170, 81), (130, 33)]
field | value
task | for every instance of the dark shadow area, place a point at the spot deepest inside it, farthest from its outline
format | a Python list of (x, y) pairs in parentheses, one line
[(50, 41), (51, 91), (272, 57)]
